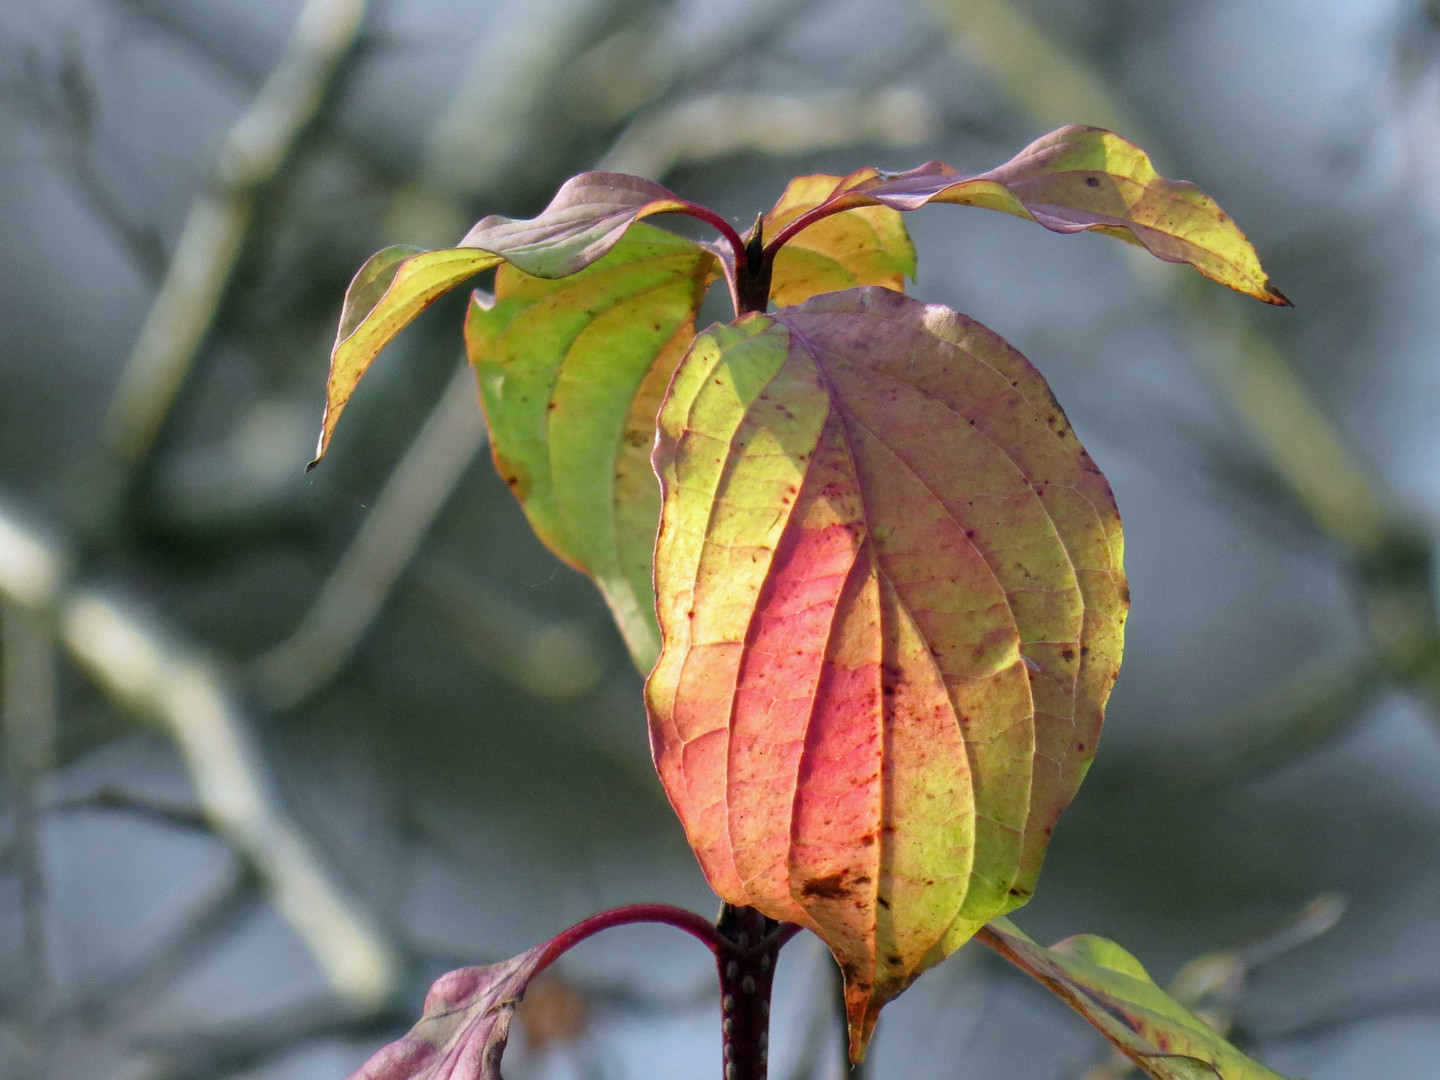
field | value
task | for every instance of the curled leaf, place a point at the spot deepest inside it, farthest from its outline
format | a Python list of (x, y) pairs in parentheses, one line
[(1078, 179), (587, 218), (462, 1032), (891, 604), (571, 375), (1111, 989)]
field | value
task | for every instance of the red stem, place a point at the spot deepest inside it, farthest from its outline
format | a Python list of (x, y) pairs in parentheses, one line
[(725, 229), (746, 945), (804, 221), (688, 921)]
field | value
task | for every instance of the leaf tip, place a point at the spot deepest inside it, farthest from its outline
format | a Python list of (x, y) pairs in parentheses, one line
[(322, 444), (1276, 297), (862, 1009)]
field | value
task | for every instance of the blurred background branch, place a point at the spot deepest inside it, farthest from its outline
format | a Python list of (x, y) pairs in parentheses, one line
[(213, 237), (406, 725)]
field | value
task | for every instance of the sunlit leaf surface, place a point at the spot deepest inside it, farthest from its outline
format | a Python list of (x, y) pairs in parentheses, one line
[(891, 602), (864, 246), (585, 220), (571, 373), (1083, 179), (1110, 988)]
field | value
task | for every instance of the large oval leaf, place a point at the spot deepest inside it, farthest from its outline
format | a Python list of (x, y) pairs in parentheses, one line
[(891, 602), (586, 218), (1076, 179), (571, 375), (1112, 990)]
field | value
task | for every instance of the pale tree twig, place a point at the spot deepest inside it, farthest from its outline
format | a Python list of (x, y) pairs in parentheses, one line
[(651, 61), (1210, 985), (27, 724), (352, 596), (159, 678), (1302, 444), (1028, 66), (496, 121), (712, 126), (214, 234)]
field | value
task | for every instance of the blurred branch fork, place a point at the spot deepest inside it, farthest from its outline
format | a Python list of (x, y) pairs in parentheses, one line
[(1388, 555), (215, 230), (173, 685), (46, 602)]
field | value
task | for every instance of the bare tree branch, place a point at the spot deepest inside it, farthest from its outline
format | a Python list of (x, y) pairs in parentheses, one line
[(716, 125), (352, 596), (27, 723), (254, 152), (157, 677), (1304, 447)]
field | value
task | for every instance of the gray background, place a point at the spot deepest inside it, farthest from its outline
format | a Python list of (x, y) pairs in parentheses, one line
[(473, 776)]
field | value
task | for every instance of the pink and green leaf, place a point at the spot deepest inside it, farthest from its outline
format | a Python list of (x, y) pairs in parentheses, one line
[(587, 217), (1076, 179), (891, 603), (1111, 989), (572, 372)]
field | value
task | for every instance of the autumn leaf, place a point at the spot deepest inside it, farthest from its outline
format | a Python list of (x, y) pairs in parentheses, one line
[(587, 218), (461, 1033), (868, 245), (571, 375), (891, 604), (1112, 990), (1072, 180)]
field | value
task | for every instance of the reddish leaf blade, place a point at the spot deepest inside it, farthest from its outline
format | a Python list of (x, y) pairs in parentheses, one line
[(462, 1032), (1111, 989), (571, 375), (868, 245), (891, 603), (1081, 179), (583, 222)]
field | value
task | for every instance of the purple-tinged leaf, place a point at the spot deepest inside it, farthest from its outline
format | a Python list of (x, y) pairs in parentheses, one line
[(1077, 179), (463, 1029), (587, 217), (462, 1032)]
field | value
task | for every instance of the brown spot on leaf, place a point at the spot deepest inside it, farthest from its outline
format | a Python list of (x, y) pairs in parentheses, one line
[(830, 887), (1092, 181)]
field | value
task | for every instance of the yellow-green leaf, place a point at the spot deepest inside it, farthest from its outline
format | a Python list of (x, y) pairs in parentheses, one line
[(571, 374), (868, 245), (1111, 989), (587, 217)]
